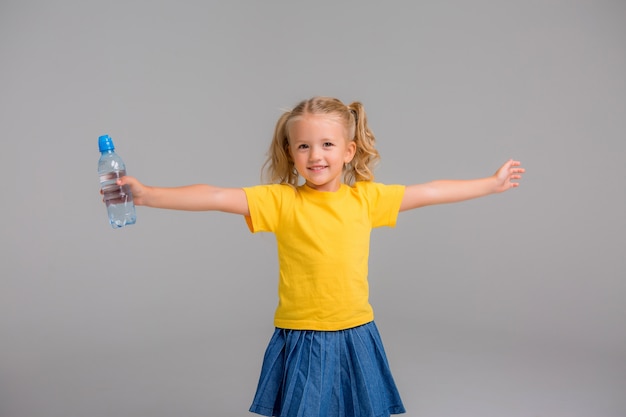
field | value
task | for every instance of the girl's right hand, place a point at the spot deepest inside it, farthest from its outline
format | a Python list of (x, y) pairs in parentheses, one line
[(137, 189)]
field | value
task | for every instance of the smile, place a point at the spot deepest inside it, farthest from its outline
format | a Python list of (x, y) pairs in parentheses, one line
[(317, 168)]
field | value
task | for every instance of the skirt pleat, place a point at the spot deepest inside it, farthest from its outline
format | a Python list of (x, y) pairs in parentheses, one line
[(341, 373)]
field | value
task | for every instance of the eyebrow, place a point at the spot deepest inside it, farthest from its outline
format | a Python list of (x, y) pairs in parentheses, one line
[(324, 139)]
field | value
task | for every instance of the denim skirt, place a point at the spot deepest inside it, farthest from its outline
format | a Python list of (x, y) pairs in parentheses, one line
[(341, 373)]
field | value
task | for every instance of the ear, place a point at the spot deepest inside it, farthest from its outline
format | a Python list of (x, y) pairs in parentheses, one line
[(350, 152)]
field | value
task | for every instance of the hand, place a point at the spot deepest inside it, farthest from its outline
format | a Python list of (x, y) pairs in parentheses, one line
[(506, 175), (137, 189)]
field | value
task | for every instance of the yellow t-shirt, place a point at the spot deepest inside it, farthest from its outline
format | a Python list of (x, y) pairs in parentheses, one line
[(323, 247)]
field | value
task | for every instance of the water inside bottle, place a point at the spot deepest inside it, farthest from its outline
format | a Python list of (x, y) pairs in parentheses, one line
[(118, 200)]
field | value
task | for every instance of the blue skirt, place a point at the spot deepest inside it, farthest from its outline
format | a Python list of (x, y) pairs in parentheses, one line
[(341, 373)]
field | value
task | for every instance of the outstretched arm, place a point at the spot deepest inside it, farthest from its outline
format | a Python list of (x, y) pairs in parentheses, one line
[(452, 191), (199, 197)]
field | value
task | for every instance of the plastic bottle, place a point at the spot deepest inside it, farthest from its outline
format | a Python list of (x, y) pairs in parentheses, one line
[(119, 200)]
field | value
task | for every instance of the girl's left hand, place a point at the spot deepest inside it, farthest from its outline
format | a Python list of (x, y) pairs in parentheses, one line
[(508, 174)]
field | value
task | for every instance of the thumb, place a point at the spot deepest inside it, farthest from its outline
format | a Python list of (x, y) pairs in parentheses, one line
[(127, 180), (132, 183)]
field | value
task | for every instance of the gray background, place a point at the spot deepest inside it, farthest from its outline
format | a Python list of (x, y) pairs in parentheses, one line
[(512, 305)]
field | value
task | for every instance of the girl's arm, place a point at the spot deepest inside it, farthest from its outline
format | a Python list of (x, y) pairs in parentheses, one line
[(452, 191), (199, 197)]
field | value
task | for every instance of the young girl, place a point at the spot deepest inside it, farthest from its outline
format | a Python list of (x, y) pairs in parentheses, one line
[(325, 357)]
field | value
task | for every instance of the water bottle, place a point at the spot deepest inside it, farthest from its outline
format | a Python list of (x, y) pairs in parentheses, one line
[(119, 200)]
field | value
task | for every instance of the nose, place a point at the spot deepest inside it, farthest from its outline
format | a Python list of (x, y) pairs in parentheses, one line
[(314, 154)]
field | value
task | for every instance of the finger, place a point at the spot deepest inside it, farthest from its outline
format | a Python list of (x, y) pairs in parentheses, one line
[(123, 181), (127, 180)]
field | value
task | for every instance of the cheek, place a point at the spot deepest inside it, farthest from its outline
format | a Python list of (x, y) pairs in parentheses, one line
[(298, 159), (293, 156)]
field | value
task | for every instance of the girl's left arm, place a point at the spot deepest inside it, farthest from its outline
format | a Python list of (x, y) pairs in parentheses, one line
[(452, 191)]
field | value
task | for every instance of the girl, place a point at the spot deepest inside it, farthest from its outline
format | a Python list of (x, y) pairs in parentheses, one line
[(325, 357)]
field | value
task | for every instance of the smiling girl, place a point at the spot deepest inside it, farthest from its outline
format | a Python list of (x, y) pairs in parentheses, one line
[(325, 357)]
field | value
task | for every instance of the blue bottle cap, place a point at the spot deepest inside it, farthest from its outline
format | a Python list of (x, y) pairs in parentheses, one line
[(105, 143)]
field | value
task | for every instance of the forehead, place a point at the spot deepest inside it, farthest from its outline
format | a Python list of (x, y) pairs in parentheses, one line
[(317, 126)]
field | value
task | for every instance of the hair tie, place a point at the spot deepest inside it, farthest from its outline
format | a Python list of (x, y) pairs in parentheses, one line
[(355, 114)]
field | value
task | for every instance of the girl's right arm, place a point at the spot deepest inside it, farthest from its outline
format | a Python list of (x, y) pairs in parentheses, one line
[(198, 197)]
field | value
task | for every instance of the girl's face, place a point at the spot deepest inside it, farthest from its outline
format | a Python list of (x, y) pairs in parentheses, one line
[(319, 149)]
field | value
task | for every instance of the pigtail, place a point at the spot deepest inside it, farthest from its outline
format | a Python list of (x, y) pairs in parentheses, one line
[(279, 168), (366, 157)]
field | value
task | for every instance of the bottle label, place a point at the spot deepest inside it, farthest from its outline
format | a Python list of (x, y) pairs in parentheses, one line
[(113, 193), (111, 177)]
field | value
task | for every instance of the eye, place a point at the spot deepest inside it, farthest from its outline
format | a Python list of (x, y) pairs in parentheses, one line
[(303, 146), (328, 144)]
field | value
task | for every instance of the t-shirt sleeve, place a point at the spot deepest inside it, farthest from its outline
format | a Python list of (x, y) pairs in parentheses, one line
[(384, 203), (264, 204)]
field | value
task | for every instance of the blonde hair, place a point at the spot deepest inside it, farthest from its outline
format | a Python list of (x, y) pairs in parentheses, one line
[(279, 167)]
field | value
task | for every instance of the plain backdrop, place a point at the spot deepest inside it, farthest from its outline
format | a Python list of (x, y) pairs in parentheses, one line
[(513, 305)]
